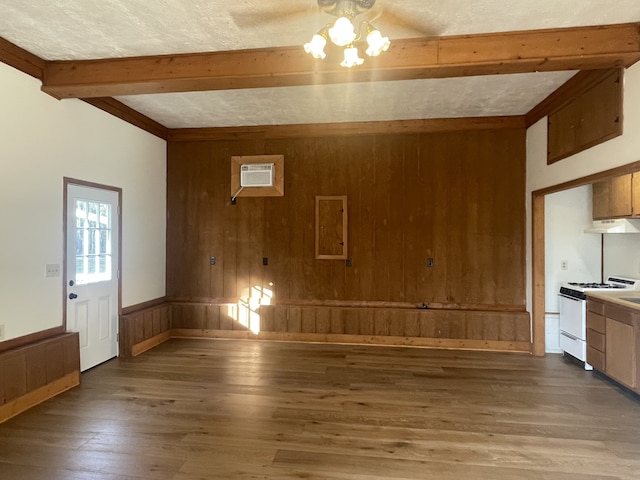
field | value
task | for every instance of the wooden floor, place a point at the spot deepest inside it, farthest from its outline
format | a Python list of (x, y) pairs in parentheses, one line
[(227, 409)]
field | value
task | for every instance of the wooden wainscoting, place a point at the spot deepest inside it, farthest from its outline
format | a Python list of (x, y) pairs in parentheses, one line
[(384, 324), (438, 328), (143, 327), (33, 373)]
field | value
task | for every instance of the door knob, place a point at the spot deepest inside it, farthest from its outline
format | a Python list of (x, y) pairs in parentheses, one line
[(72, 296)]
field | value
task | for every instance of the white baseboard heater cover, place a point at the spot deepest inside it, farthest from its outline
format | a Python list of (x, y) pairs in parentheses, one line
[(256, 175)]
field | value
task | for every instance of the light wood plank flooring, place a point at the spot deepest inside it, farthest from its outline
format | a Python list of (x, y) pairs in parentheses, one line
[(226, 409)]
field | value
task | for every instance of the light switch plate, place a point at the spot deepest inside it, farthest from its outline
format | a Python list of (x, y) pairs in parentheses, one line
[(52, 270), (1, 332)]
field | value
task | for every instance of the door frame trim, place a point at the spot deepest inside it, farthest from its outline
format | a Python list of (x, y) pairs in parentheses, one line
[(537, 246), (82, 183)]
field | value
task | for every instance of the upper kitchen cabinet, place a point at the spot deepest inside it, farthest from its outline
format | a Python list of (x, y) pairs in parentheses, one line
[(615, 197), (592, 116), (635, 194)]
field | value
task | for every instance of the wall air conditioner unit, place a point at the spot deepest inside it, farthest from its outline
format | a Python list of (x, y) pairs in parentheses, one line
[(256, 175)]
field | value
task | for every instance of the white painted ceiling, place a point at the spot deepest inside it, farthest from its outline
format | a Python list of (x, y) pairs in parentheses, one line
[(88, 29)]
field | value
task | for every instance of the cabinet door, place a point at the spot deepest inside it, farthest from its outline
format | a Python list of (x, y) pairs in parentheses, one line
[(601, 199), (620, 352), (331, 227), (635, 194), (612, 198), (620, 199)]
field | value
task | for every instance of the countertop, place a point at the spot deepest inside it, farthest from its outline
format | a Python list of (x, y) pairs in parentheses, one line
[(617, 298)]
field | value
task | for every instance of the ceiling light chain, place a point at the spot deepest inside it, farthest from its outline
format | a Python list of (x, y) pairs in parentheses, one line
[(343, 34)]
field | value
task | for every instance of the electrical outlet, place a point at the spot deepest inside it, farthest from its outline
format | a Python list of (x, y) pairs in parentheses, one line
[(212, 260), (52, 270), (1, 332), (564, 264)]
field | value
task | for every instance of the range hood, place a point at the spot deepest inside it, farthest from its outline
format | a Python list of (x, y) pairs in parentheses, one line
[(618, 225)]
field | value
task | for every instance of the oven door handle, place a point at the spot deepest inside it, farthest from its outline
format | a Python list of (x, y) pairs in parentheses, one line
[(569, 297), (572, 337)]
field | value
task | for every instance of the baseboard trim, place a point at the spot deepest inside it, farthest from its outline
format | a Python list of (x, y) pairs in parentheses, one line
[(441, 343), (31, 399), (149, 343)]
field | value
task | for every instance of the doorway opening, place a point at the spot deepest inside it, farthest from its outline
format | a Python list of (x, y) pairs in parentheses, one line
[(92, 264), (538, 279)]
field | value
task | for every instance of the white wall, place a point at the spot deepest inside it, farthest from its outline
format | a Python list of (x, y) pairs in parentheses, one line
[(42, 141), (616, 152), (567, 214), (622, 255)]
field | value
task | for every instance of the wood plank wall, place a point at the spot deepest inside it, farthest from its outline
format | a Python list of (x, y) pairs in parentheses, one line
[(35, 372), (455, 197), (384, 325), (142, 329)]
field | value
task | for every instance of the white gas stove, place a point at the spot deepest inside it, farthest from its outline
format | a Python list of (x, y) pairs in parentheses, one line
[(573, 312)]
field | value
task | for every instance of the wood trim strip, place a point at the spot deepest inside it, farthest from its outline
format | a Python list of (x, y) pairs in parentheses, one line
[(355, 304), (149, 343), (31, 399), (21, 59), (346, 129), (538, 276), (572, 89), (129, 115), (31, 338), (132, 309), (589, 179), (576, 48), (442, 343)]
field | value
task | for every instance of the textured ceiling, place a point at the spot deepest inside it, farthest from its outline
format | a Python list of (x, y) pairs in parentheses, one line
[(88, 29)]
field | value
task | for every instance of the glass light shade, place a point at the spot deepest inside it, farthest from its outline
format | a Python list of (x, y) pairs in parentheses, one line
[(351, 58), (342, 33), (377, 43), (316, 46)]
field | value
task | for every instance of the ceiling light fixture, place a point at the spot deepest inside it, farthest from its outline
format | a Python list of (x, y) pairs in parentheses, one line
[(343, 33)]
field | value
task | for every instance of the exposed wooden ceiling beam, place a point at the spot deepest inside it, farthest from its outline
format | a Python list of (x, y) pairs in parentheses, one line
[(21, 59), (582, 48), (129, 115)]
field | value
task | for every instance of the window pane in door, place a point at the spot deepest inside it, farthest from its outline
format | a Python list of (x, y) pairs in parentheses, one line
[(93, 242)]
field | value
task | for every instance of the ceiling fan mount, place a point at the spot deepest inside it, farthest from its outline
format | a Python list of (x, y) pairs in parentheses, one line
[(346, 8)]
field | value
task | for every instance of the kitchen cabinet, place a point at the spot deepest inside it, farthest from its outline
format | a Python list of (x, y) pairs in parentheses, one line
[(613, 341), (620, 352), (635, 194), (595, 335), (591, 117), (613, 197)]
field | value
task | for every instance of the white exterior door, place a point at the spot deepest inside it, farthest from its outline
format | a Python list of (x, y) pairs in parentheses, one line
[(92, 272)]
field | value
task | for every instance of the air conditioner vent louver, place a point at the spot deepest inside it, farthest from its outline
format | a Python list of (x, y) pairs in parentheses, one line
[(256, 175)]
